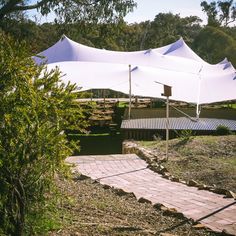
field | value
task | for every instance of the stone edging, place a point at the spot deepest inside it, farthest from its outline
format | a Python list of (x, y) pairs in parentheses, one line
[(129, 147)]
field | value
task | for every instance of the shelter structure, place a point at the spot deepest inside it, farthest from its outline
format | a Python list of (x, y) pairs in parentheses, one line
[(192, 79)]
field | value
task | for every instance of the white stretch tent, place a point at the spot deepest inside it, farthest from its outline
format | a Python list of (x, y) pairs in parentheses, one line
[(192, 79)]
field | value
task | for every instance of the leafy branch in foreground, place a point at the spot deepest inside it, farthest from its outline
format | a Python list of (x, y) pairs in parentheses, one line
[(35, 109)]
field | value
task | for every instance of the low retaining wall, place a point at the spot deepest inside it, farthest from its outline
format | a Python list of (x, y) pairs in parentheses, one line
[(129, 147)]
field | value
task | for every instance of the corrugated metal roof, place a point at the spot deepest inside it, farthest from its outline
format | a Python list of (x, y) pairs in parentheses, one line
[(178, 124)]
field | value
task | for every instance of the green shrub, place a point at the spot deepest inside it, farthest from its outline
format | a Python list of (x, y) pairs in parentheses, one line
[(222, 130), (185, 135), (35, 109)]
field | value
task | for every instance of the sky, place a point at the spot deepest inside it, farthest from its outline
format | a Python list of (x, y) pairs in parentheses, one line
[(148, 9)]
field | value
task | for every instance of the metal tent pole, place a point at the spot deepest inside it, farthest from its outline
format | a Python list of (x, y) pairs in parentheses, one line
[(198, 109)]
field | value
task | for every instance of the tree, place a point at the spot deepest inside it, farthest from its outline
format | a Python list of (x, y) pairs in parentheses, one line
[(35, 109), (220, 13), (213, 44), (71, 10), (25, 30), (132, 37), (167, 28)]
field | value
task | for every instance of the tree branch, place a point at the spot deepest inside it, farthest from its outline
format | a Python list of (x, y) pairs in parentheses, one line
[(230, 22), (30, 7), (12, 6)]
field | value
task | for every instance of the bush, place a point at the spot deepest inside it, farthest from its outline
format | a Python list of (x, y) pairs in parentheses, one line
[(185, 135), (35, 108), (222, 130)]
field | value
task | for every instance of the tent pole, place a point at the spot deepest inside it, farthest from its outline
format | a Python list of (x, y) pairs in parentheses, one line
[(129, 91), (198, 111), (104, 99)]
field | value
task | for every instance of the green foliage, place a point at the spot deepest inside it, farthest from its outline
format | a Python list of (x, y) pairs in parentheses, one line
[(185, 136), (220, 12), (44, 218), (222, 130), (213, 44), (167, 28), (35, 108), (211, 12)]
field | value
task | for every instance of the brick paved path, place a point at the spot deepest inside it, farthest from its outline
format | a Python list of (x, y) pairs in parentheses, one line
[(130, 173)]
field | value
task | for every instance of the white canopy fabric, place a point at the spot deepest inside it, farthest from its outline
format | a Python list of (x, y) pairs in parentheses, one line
[(192, 79), (116, 78)]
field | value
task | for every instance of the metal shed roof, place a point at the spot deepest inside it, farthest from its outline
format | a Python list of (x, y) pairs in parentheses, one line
[(178, 124)]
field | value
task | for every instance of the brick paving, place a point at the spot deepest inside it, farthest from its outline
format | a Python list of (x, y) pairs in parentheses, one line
[(130, 173)]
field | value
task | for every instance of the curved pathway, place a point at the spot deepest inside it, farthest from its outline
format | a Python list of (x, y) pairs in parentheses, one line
[(130, 173)]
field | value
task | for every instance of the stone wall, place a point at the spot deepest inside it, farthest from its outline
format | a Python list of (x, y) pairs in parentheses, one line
[(129, 147)]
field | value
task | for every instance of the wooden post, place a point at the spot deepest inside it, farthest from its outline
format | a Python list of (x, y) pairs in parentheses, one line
[(167, 127), (167, 93), (104, 99), (136, 101)]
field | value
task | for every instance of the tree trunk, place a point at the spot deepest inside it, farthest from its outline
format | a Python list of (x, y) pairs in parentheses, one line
[(20, 202)]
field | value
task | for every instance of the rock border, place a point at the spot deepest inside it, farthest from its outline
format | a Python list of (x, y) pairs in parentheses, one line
[(130, 147)]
